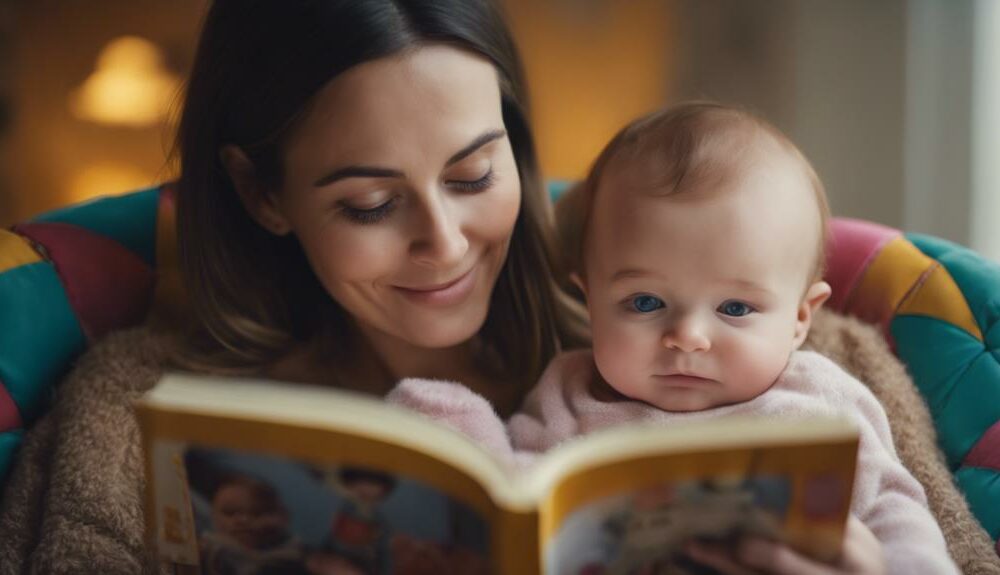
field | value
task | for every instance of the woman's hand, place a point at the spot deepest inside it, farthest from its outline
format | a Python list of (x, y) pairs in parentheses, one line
[(862, 555)]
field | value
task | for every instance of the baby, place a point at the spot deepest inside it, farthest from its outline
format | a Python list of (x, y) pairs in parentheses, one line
[(700, 236)]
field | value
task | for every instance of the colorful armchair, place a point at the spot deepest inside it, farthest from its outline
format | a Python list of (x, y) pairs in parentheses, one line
[(70, 276)]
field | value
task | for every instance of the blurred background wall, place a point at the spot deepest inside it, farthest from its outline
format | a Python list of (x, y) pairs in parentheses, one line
[(56, 148), (896, 102)]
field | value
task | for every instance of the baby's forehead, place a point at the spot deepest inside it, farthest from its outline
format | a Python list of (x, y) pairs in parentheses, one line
[(701, 164), (761, 211)]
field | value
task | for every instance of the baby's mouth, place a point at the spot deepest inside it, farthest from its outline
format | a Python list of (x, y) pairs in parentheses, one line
[(682, 380)]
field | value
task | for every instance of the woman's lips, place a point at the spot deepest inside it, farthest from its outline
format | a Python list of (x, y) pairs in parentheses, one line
[(445, 294)]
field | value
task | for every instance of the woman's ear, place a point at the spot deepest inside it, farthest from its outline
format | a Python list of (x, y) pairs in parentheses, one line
[(817, 293), (257, 201), (577, 280)]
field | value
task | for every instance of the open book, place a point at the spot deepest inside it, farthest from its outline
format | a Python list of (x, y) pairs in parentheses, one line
[(253, 476)]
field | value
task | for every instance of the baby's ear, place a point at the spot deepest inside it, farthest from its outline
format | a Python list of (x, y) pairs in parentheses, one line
[(817, 293)]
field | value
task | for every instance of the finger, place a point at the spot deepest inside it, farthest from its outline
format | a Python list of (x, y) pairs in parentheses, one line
[(862, 550), (716, 558), (778, 559), (861, 535)]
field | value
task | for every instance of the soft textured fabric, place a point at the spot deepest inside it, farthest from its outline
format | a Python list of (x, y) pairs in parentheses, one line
[(938, 304), (864, 353), (69, 276), (74, 500), (73, 503), (887, 498), (66, 279), (563, 406)]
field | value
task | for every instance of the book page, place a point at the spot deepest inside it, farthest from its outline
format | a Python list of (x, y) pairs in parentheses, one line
[(236, 493), (253, 512), (633, 513)]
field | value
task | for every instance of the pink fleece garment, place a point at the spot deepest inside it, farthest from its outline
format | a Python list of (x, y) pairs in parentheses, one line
[(886, 497)]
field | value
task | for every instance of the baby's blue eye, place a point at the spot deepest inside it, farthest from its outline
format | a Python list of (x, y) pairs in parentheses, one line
[(735, 309), (646, 303)]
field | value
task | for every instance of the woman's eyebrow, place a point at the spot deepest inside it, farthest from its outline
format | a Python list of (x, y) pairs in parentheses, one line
[(377, 172), (479, 142), (357, 172)]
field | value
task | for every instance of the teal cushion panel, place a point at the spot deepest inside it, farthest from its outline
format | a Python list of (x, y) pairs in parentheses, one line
[(129, 219), (959, 380), (959, 375), (558, 188), (40, 335)]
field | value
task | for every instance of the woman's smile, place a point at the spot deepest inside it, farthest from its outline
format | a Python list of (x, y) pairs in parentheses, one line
[(443, 294)]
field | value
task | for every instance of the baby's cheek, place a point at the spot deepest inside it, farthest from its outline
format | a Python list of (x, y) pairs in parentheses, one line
[(761, 365), (619, 354)]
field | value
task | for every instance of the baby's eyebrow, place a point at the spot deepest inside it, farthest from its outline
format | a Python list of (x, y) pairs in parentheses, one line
[(630, 273), (745, 284)]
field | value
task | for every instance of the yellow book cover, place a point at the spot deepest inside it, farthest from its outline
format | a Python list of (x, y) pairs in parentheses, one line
[(252, 476)]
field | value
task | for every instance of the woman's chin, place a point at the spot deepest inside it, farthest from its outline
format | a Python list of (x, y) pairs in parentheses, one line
[(443, 338), (441, 333)]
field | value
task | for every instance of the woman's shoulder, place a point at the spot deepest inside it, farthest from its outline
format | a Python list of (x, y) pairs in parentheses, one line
[(84, 459), (124, 363)]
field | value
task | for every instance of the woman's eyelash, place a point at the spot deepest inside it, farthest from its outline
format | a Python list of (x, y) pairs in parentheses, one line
[(474, 186), (368, 215), (380, 212)]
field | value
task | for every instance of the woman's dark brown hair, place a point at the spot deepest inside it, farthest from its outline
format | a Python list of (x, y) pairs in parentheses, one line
[(258, 65)]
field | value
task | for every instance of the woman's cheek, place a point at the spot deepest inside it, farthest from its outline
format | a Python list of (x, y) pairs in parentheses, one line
[(497, 213), (353, 253)]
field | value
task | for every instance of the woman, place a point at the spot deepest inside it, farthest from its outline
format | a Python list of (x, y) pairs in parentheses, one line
[(359, 201), (396, 221)]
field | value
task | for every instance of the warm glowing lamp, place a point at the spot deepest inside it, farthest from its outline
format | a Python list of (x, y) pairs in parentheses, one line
[(129, 87)]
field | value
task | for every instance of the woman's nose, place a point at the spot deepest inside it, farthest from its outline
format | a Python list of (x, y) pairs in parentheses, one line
[(686, 334), (440, 240)]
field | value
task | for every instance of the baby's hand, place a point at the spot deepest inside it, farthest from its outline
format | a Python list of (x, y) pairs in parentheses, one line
[(862, 554)]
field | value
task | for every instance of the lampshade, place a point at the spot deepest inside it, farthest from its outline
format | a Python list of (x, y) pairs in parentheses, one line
[(129, 86)]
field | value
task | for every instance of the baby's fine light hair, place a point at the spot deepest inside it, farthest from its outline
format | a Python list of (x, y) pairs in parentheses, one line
[(698, 147)]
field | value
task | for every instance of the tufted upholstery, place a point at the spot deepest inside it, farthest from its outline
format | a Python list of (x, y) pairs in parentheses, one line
[(938, 304), (70, 276)]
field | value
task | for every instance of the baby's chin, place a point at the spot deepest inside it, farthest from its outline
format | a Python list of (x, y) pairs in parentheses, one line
[(684, 401)]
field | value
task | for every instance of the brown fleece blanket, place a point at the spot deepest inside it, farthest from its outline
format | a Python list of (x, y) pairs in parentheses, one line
[(73, 503), (862, 351)]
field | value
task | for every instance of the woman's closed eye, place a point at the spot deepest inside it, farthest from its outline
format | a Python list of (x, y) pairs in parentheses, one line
[(378, 212), (368, 215), (736, 308), (476, 185)]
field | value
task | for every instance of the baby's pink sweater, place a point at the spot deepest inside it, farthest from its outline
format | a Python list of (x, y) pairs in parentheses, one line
[(886, 497)]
